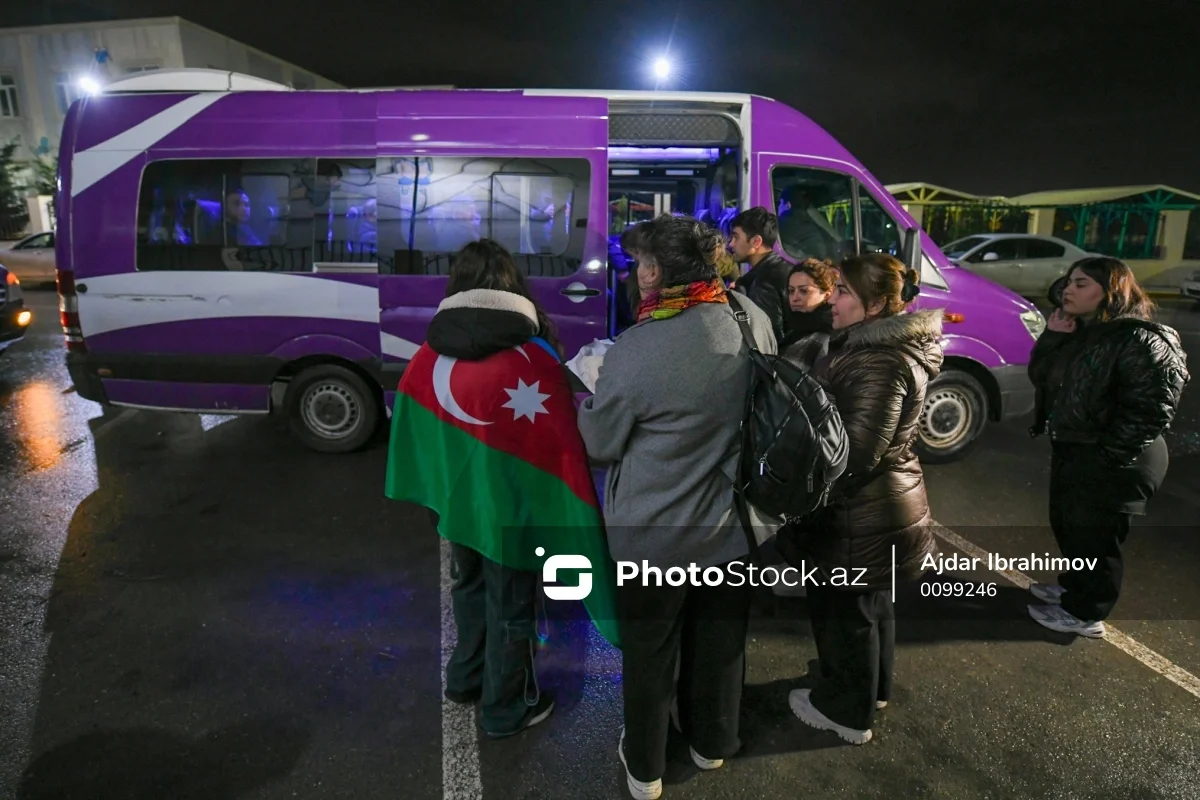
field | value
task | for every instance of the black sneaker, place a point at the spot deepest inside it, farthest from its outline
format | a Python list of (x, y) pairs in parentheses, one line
[(464, 698), (538, 713)]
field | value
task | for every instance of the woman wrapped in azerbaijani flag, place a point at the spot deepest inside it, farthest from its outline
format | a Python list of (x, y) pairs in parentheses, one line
[(484, 435)]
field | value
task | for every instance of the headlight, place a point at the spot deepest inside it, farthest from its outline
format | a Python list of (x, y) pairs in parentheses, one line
[(1035, 323), (14, 288)]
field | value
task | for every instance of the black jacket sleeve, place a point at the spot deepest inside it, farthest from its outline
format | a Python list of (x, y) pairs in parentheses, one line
[(1049, 343), (1149, 382), (766, 293)]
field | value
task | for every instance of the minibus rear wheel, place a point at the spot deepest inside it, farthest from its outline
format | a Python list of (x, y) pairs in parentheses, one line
[(331, 409), (955, 412)]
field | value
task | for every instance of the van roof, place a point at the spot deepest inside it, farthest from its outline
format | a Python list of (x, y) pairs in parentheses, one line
[(218, 80)]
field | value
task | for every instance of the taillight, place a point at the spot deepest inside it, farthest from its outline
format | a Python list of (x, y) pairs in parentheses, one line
[(68, 312)]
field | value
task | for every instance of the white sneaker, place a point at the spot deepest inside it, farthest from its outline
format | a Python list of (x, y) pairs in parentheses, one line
[(880, 704), (803, 708), (1050, 593), (705, 763), (1056, 619), (641, 790)]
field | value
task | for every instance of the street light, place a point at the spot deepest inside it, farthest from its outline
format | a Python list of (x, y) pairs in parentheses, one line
[(89, 85), (662, 68)]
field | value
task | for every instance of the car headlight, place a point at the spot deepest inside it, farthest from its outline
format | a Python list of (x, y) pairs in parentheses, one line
[(1035, 323), (14, 287)]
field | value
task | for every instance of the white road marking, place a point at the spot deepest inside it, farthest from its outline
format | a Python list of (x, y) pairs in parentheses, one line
[(1123, 642), (460, 742)]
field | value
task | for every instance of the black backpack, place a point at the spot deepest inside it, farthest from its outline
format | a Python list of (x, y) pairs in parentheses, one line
[(793, 444)]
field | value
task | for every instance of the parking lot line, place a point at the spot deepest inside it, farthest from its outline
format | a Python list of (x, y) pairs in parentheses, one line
[(460, 742), (1123, 642)]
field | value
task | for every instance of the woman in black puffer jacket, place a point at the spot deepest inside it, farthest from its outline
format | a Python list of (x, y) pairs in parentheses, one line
[(1108, 381)]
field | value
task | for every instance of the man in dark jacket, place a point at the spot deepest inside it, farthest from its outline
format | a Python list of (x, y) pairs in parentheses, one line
[(753, 238)]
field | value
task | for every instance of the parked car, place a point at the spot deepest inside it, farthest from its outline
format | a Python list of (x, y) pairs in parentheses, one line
[(14, 317), (1191, 287), (1023, 263), (32, 259)]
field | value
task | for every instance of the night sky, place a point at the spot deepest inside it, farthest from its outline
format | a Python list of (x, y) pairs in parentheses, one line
[(987, 96)]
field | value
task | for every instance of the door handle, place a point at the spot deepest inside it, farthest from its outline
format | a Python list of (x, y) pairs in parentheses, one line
[(580, 292)]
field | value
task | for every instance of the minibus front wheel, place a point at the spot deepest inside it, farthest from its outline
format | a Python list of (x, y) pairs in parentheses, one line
[(954, 415), (331, 408)]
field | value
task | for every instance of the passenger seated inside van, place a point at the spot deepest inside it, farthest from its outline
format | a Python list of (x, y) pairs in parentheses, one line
[(804, 230), (232, 228)]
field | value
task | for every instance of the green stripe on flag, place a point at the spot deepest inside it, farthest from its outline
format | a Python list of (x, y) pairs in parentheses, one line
[(497, 504)]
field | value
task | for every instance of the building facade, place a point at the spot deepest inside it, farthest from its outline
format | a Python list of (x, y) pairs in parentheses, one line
[(44, 69)]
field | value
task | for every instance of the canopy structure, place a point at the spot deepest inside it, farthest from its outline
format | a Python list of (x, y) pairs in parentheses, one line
[(1148, 222)]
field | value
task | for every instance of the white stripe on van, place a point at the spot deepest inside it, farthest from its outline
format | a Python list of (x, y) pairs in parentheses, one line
[(397, 347), (93, 165), (131, 299)]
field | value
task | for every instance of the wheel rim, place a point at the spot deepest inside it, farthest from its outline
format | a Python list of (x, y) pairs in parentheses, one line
[(947, 419), (331, 410)]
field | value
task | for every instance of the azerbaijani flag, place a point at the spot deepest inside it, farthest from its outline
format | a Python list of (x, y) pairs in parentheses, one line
[(493, 447)]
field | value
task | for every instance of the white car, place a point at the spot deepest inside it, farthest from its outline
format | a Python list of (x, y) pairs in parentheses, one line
[(1191, 287), (31, 259), (1024, 263)]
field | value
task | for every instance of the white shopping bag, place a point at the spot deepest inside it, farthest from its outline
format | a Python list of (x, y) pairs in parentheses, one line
[(586, 363)]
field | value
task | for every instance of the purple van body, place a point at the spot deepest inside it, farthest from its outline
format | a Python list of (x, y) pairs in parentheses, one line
[(139, 352)]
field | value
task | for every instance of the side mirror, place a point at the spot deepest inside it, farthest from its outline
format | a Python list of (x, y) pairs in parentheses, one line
[(912, 249), (993, 256)]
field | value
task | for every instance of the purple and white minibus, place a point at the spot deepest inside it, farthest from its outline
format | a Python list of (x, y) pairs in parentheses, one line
[(221, 236)]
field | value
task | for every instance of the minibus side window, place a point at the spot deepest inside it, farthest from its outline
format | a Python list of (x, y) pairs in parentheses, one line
[(225, 215), (816, 212), (880, 233), (817, 215), (430, 207), (345, 215)]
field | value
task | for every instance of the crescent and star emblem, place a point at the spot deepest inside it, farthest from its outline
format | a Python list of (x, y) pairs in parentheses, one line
[(525, 400)]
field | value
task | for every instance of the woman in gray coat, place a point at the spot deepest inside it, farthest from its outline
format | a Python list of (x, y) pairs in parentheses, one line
[(665, 419)]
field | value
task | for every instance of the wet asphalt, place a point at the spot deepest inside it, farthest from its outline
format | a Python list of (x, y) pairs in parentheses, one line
[(198, 607)]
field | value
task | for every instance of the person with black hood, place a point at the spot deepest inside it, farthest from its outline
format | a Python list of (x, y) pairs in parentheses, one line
[(810, 316), (1108, 382), (487, 323), (752, 240)]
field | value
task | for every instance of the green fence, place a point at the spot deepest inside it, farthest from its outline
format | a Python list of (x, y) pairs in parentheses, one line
[(946, 222), (1121, 230)]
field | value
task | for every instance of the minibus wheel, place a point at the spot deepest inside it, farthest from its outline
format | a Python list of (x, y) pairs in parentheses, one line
[(954, 415), (331, 409)]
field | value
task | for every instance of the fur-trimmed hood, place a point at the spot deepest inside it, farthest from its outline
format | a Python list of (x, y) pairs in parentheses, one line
[(474, 324), (915, 333)]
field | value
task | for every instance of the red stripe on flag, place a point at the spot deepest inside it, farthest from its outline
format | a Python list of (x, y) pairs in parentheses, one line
[(524, 399)]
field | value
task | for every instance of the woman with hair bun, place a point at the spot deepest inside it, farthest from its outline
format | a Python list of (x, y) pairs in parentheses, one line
[(880, 362)]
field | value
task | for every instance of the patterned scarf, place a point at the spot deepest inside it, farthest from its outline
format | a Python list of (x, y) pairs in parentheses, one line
[(668, 302)]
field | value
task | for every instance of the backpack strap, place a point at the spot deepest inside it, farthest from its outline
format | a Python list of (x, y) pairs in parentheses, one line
[(743, 320), (739, 500)]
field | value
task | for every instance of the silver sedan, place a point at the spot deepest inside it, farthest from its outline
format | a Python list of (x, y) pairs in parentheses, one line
[(1024, 263)]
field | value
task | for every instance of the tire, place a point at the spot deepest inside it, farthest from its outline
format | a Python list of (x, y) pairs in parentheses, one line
[(331, 409), (954, 416)]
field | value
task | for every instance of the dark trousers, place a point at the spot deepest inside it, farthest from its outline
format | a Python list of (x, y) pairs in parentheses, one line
[(1091, 507), (704, 630), (495, 611), (856, 643)]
